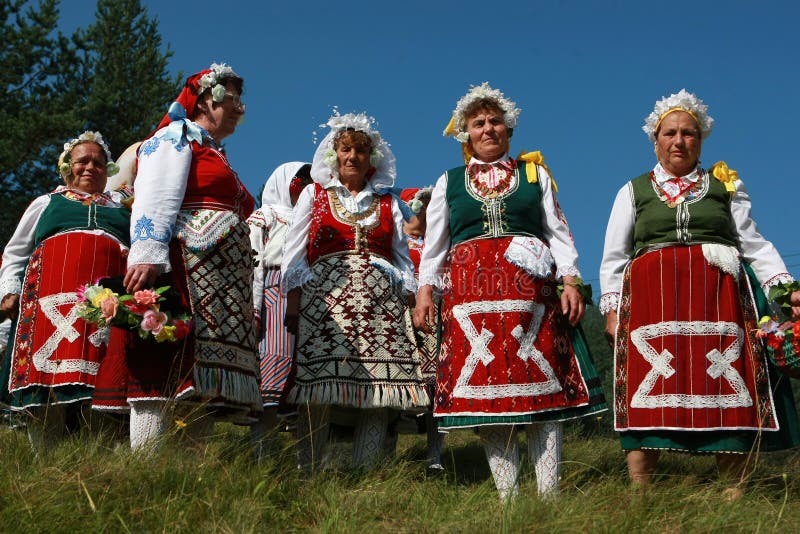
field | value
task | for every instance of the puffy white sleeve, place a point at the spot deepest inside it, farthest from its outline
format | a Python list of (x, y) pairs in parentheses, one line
[(400, 256), (437, 236), (556, 230), (294, 269), (617, 250), (20, 247), (159, 189), (258, 241), (761, 254)]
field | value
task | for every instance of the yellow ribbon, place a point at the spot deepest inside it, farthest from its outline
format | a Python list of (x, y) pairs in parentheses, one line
[(725, 175), (451, 126), (532, 159)]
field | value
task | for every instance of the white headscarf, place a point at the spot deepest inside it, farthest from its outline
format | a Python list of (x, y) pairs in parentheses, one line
[(276, 193), (324, 169)]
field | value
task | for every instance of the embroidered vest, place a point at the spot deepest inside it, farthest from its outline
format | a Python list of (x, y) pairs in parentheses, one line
[(704, 219), (516, 212), (63, 214), (214, 185), (331, 233)]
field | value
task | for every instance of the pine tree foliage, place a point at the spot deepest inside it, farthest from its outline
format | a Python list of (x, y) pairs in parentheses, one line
[(38, 110), (129, 88)]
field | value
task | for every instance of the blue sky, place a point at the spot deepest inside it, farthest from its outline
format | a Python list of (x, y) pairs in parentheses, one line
[(585, 74)]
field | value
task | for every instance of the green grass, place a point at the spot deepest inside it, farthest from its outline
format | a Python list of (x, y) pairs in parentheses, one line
[(89, 484)]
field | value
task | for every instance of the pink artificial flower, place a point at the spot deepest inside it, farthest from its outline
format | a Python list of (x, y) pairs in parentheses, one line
[(146, 297), (153, 321), (108, 306)]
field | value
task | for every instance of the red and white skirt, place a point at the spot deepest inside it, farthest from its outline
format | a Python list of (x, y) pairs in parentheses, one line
[(505, 349), (53, 346), (686, 355)]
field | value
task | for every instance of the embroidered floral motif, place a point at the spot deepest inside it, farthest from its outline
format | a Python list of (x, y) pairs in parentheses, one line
[(145, 229), (149, 146)]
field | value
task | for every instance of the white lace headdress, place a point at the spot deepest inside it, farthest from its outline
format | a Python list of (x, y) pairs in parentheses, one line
[(457, 125), (64, 166), (680, 101), (325, 166)]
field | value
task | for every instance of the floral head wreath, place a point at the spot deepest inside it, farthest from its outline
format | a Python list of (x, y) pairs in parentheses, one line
[(215, 79), (326, 166), (64, 164), (457, 125), (680, 101)]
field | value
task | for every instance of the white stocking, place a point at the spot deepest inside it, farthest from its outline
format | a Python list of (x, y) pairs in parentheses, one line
[(544, 446), (435, 441), (313, 429), (148, 425), (500, 444), (369, 437)]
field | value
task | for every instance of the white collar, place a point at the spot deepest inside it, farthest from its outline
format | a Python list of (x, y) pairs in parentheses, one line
[(662, 176)]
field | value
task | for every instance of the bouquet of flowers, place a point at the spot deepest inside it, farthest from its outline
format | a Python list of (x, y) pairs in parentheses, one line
[(782, 338), (151, 313), (783, 344)]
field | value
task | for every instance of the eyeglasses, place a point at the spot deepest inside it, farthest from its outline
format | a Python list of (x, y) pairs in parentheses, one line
[(84, 162), (237, 101)]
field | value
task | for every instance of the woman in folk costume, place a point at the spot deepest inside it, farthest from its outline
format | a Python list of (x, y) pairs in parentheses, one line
[(498, 245), (682, 263), (65, 239), (348, 276), (414, 229), (268, 228), (189, 223)]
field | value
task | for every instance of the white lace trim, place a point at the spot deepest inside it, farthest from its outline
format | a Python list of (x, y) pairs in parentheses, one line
[(724, 257), (780, 278), (150, 252), (530, 254), (661, 365), (567, 270), (295, 277), (396, 276), (10, 286), (431, 279), (204, 229), (608, 302)]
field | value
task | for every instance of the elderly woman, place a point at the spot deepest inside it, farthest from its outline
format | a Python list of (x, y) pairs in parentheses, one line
[(498, 246), (345, 267), (681, 257), (65, 239), (189, 224), (268, 228)]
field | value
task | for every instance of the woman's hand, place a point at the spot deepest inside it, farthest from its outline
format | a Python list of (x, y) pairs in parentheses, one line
[(571, 301), (425, 310), (794, 299), (10, 305), (292, 315), (611, 327), (141, 276)]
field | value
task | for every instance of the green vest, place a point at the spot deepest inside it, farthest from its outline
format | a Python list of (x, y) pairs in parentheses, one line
[(62, 214), (705, 219), (517, 212)]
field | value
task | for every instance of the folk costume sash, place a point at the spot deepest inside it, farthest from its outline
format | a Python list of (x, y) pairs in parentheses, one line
[(686, 353)]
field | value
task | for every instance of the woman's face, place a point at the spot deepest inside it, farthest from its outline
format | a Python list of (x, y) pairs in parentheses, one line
[(353, 161), (678, 143), (222, 117), (488, 135), (88, 161)]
